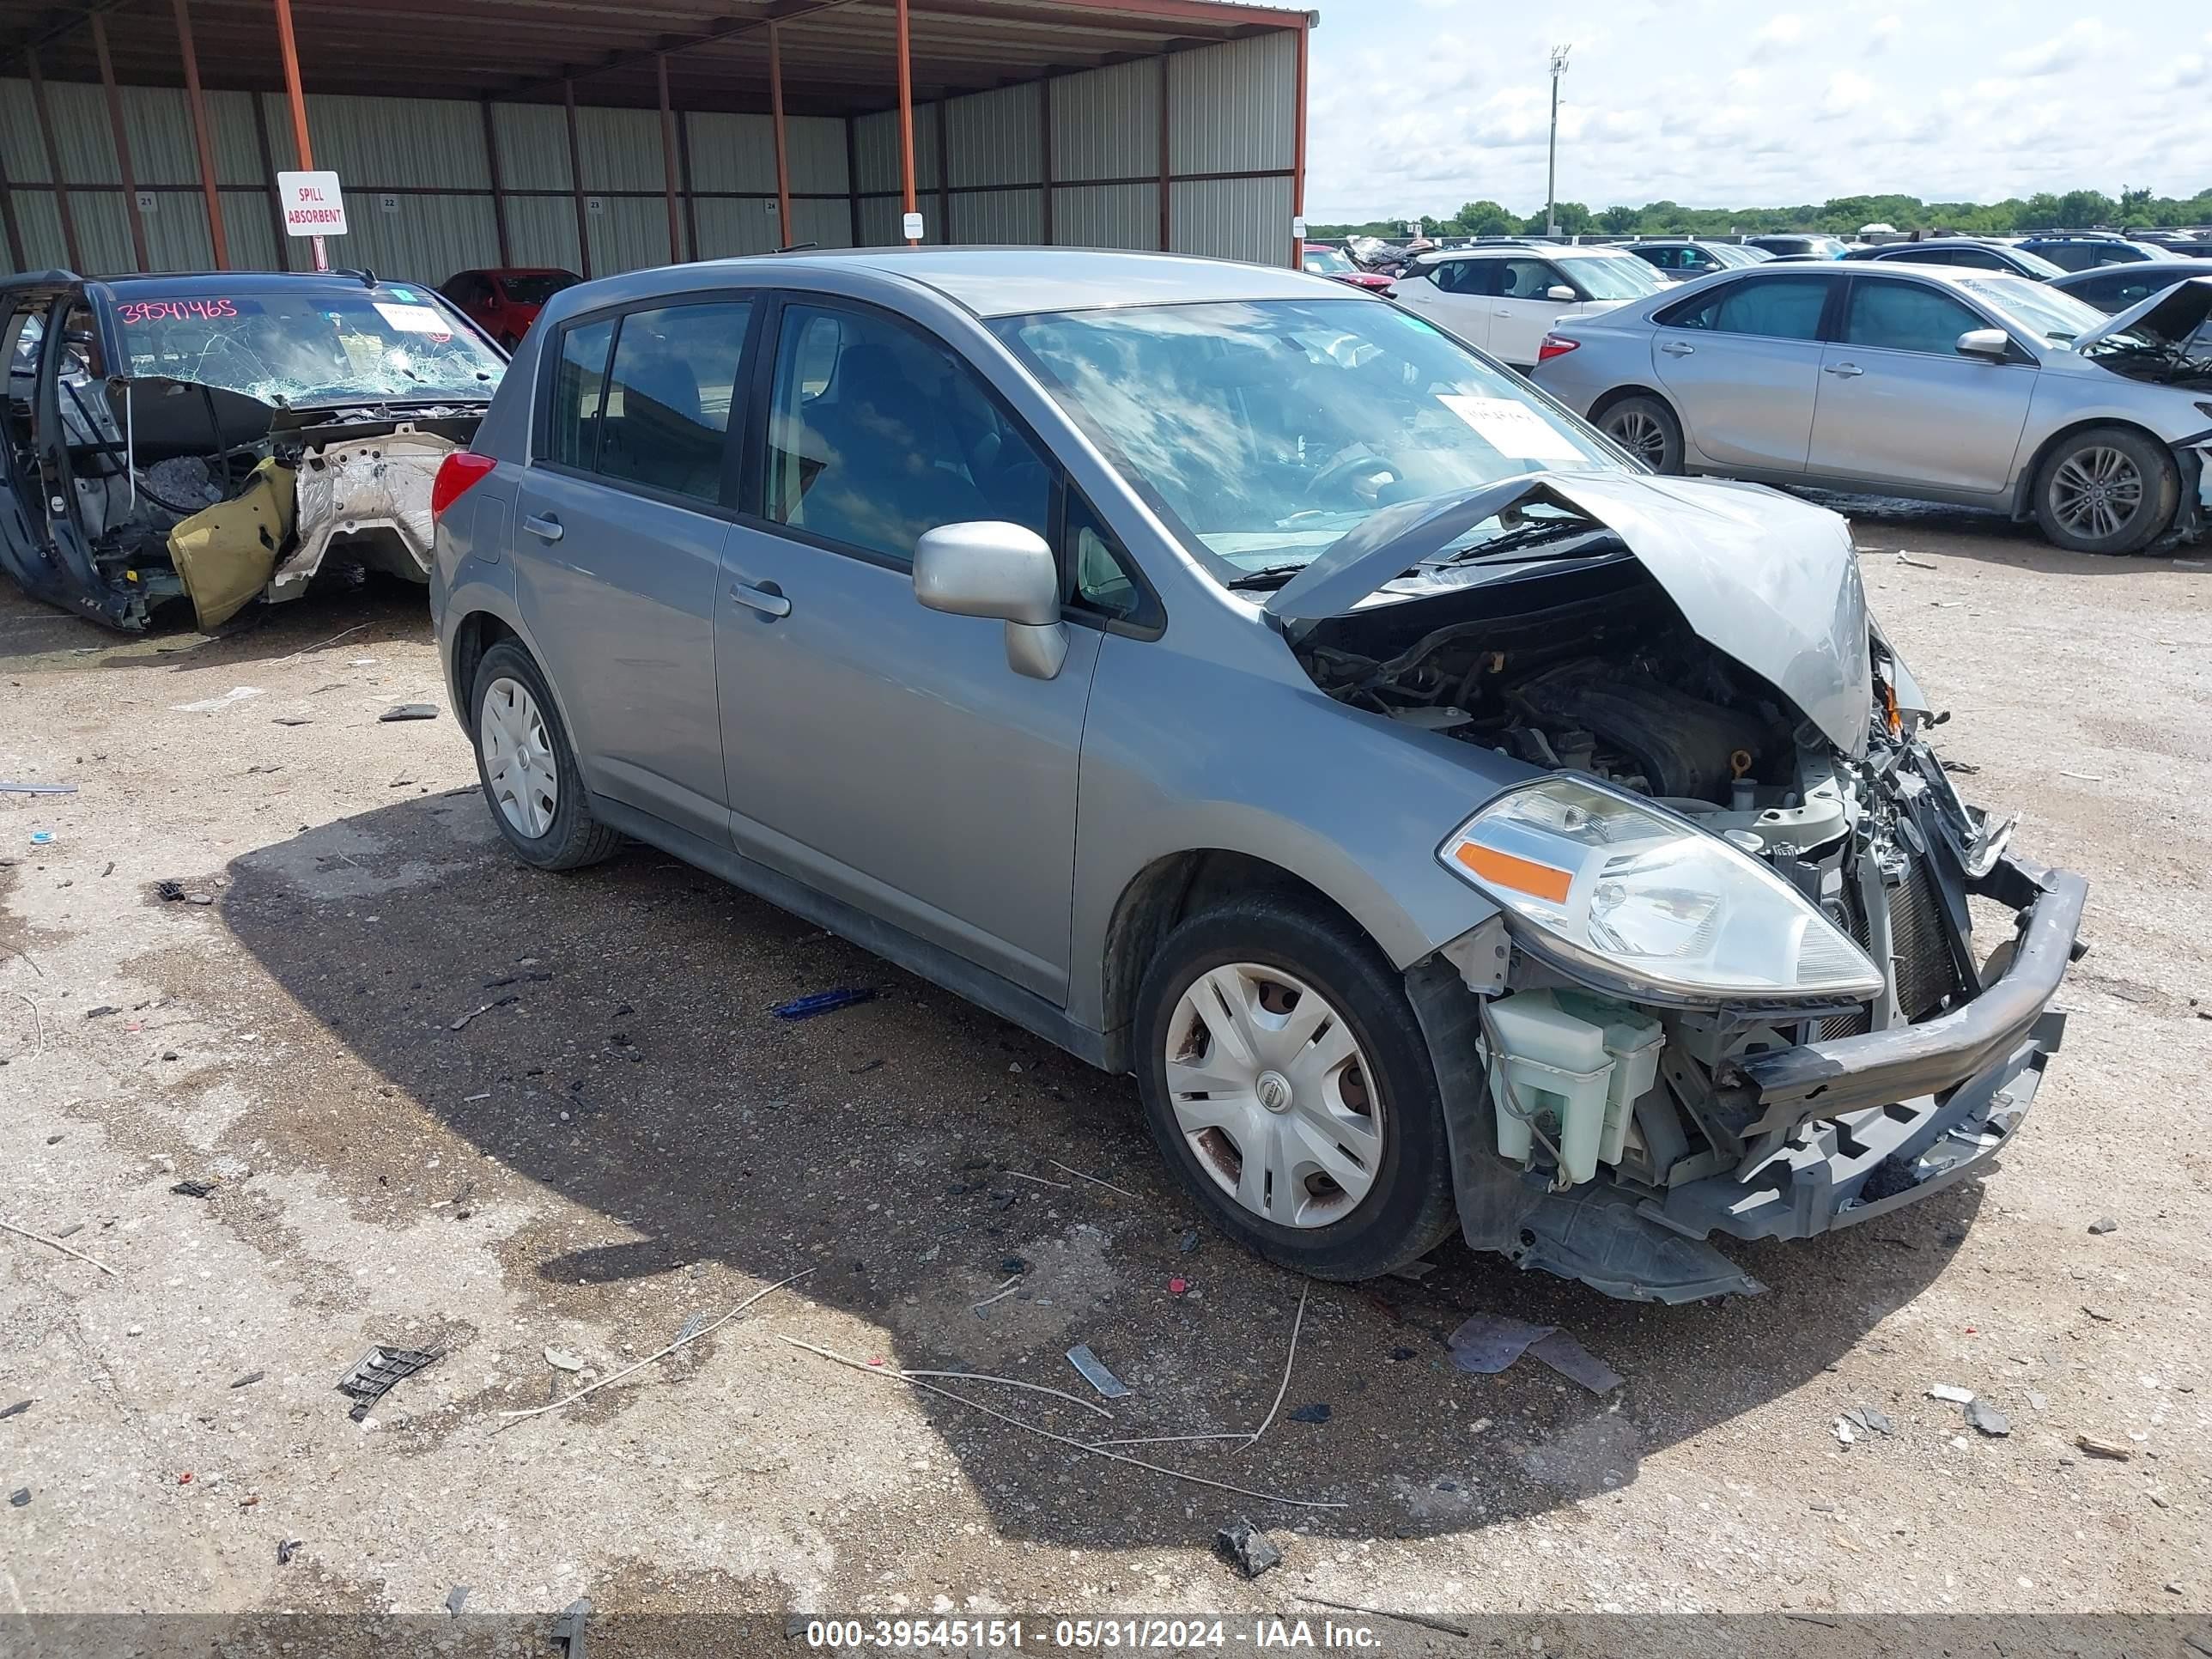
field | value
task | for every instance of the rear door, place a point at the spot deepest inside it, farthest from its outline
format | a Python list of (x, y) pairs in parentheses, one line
[(1454, 294), (1742, 364), (621, 522), (880, 752), (1899, 403)]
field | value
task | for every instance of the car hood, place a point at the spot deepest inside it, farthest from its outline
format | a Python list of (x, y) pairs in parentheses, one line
[(1772, 581), (2172, 314)]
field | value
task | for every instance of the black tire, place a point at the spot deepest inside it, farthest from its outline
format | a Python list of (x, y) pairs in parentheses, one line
[(573, 837), (1646, 428), (1407, 1209), (2118, 459)]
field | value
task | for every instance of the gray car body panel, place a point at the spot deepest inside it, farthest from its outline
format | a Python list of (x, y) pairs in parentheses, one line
[(1999, 417), (1772, 581)]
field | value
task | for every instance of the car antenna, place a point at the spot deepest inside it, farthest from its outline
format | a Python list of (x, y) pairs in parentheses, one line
[(365, 276)]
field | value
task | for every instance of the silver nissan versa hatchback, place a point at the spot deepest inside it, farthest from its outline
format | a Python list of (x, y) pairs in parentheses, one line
[(1242, 685)]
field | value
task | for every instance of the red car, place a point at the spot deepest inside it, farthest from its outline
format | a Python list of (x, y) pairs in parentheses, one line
[(1327, 259), (505, 302)]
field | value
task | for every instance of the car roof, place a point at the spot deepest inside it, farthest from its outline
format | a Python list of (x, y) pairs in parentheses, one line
[(1011, 282), (1522, 250), (227, 282)]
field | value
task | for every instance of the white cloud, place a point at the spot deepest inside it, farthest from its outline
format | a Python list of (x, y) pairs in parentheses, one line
[(2083, 41), (1847, 91), (1882, 32), (1776, 36)]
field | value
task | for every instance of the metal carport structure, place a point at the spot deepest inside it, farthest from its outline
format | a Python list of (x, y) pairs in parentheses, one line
[(146, 134)]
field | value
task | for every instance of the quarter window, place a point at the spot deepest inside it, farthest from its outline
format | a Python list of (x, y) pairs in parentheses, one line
[(877, 434), (1905, 317), (579, 379), (669, 395)]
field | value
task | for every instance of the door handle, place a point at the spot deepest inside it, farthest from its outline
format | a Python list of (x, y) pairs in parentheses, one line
[(543, 526), (1844, 369), (1679, 349), (1501, 313), (768, 602)]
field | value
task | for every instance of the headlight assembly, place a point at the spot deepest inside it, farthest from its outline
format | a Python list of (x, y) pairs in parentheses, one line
[(1615, 890)]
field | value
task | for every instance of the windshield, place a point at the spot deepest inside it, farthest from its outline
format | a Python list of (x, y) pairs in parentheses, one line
[(1328, 262), (2036, 264), (301, 345), (2048, 314), (1267, 431), (1615, 276), (537, 288)]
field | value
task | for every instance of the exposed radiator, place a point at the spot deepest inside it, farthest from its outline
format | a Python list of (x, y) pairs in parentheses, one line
[(1922, 965)]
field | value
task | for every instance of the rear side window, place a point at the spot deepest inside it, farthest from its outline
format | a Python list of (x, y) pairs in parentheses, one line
[(1776, 308), (579, 379), (877, 433), (668, 396), (1905, 317)]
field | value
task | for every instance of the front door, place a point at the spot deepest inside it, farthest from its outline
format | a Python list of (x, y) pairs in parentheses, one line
[(618, 541), (1899, 403), (1742, 364), (1524, 311), (880, 752)]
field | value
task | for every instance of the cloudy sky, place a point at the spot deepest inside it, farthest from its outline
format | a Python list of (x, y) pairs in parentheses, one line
[(1420, 105)]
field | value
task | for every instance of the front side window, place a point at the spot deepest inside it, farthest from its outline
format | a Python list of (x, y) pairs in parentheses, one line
[(1529, 279), (669, 396), (1905, 317), (877, 433), (1264, 432), (1777, 307)]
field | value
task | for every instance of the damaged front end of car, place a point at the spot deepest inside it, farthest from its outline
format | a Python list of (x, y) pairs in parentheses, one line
[(1733, 986)]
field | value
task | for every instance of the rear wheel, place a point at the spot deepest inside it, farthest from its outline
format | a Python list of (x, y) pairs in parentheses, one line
[(527, 769), (1647, 429), (1285, 1079), (2108, 489)]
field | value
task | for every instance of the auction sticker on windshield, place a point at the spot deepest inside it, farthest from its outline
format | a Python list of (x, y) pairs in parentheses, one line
[(1514, 431), (415, 319)]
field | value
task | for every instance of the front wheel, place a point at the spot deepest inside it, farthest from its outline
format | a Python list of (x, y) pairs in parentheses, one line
[(1647, 429), (1285, 1079), (2107, 491)]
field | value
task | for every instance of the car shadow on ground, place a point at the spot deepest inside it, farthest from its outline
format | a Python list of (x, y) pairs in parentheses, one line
[(627, 1057)]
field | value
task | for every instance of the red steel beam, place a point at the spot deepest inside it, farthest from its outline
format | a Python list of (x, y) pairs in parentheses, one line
[(944, 170), (201, 141), (668, 164), (492, 169), (69, 248), (576, 180), (302, 149), (784, 232), (906, 111)]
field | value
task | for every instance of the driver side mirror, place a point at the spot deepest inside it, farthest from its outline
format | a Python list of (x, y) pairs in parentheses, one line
[(1993, 343), (1561, 293), (1001, 571)]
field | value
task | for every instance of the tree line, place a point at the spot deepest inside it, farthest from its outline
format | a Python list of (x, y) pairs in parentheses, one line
[(2073, 209)]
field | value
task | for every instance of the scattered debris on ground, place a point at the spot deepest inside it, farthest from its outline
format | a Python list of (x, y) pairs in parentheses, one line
[(286, 1549), (1426, 1621), (2097, 1448), (16, 1410), (1956, 1395), (410, 711), (498, 1002), (824, 1002), (1986, 1419), (561, 1360), (456, 1598), (1488, 1343), (1095, 1373), (1247, 1547), (568, 1628), (11, 788), (249, 1379), (2104, 1225), (25, 1232), (1316, 1412), (374, 1373), (194, 1188)]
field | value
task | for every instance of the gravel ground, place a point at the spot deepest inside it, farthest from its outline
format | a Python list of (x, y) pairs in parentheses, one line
[(625, 1138)]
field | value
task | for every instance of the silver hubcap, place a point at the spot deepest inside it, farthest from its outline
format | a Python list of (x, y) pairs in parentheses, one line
[(1272, 1093), (2096, 492), (1640, 434), (518, 756)]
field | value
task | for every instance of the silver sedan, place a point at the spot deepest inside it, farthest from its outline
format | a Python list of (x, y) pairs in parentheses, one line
[(1960, 386)]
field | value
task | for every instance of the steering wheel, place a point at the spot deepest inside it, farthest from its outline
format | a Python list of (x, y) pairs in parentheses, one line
[(1346, 466)]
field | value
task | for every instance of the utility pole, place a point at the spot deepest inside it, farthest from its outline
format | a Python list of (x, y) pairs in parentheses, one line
[(1552, 166)]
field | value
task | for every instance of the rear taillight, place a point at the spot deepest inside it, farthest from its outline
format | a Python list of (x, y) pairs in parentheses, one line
[(1555, 345), (458, 474)]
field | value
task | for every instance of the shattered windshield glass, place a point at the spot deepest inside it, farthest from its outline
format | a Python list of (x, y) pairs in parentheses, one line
[(1269, 430), (303, 346)]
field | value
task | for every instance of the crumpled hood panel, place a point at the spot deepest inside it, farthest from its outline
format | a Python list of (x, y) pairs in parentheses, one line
[(1770, 580)]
